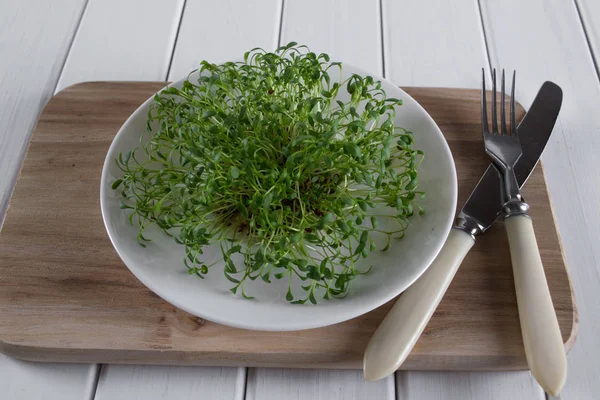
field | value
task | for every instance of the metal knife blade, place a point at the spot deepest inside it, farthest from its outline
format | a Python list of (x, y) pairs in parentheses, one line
[(484, 205)]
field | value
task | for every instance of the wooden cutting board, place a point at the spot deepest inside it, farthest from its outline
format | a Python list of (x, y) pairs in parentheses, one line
[(66, 296)]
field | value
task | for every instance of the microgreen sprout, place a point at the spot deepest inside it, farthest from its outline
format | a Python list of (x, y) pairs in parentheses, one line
[(263, 158)]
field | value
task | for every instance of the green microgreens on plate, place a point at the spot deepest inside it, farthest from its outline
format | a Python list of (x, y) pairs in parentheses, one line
[(263, 158)]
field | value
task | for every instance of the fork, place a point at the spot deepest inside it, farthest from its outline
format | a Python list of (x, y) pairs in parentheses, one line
[(502, 145), (542, 340)]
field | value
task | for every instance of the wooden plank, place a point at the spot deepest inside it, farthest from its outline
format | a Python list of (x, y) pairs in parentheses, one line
[(467, 386), (297, 384), (327, 27), (143, 53), (589, 12), (433, 43), (133, 43), (331, 27), (224, 31), (546, 42), (168, 382), (440, 43), (22, 380), (35, 37), (70, 311), (196, 41)]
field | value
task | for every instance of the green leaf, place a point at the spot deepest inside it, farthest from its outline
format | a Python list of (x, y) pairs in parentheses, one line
[(312, 238), (323, 265), (295, 238), (359, 248), (242, 209), (362, 204), (281, 244), (257, 265), (348, 201), (353, 150), (387, 245), (116, 184), (284, 262), (246, 296), (267, 201), (208, 114), (313, 273), (235, 172), (374, 222), (325, 220), (301, 263), (412, 185), (259, 256), (230, 267), (399, 205), (363, 237), (231, 279), (342, 225), (289, 296), (341, 281), (234, 249)]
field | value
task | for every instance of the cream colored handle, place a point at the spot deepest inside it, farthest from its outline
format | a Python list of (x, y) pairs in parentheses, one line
[(401, 328), (541, 335)]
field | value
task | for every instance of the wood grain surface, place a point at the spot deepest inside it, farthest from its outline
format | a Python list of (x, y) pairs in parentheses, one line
[(66, 296)]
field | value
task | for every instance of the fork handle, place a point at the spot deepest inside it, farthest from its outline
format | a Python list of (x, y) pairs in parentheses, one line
[(543, 343)]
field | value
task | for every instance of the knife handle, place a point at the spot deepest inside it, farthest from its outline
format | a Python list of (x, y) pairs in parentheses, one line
[(543, 343), (401, 328)]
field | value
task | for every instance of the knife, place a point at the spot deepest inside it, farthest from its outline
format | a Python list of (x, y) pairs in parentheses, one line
[(403, 325)]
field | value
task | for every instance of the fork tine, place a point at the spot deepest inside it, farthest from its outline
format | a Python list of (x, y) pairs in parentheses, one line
[(494, 117), (513, 120), (503, 108), (484, 120)]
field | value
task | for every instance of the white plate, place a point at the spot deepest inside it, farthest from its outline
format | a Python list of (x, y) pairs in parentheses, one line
[(160, 265)]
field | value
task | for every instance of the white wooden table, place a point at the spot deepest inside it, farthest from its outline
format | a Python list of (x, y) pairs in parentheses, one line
[(46, 45)]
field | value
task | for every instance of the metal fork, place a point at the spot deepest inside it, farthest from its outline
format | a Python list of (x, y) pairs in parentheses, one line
[(503, 146), (541, 334)]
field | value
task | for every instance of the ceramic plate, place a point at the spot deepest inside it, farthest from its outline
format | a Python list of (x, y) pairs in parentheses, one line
[(160, 266)]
